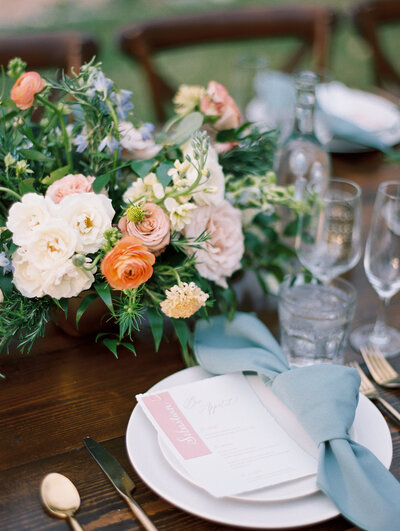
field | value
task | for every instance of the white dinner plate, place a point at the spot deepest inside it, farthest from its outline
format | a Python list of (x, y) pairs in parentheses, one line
[(285, 417), (144, 452)]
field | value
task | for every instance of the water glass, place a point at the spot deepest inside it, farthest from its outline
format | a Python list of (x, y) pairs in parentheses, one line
[(315, 319)]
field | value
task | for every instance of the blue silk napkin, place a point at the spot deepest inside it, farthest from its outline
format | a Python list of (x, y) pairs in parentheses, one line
[(324, 399)]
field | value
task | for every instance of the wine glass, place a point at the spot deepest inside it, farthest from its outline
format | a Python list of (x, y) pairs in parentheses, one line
[(329, 237), (382, 267)]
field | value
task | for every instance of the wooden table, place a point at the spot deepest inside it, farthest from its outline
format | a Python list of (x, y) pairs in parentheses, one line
[(69, 387)]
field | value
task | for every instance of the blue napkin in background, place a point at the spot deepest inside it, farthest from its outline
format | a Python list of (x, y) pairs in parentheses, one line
[(324, 399)]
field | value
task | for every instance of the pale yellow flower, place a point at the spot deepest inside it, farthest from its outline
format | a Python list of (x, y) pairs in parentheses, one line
[(187, 98), (183, 300)]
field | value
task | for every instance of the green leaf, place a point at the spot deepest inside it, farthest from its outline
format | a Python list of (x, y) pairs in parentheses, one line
[(26, 186), (87, 301), (104, 292), (142, 167), (129, 346), (112, 345), (56, 174), (183, 333), (162, 173), (6, 284), (291, 228), (156, 325), (186, 127), (100, 182), (34, 154), (62, 304)]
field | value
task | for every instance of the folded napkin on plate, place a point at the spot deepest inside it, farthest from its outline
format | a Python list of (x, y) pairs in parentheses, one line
[(344, 113), (324, 398)]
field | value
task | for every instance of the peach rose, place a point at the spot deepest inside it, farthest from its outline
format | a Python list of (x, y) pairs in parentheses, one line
[(217, 102), (220, 256), (70, 184), (128, 265), (154, 230), (25, 88)]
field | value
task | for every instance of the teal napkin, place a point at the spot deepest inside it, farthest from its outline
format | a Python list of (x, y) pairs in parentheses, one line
[(324, 399)]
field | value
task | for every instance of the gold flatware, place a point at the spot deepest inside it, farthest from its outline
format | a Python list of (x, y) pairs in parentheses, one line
[(61, 498), (381, 371), (119, 478), (368, 389)]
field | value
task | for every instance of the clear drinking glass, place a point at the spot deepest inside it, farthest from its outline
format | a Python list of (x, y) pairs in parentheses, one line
[(315, 319), (382, 267), (329, 237), (251, 70)]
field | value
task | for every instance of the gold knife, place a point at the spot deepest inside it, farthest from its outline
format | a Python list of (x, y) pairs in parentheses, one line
[(119, 478)]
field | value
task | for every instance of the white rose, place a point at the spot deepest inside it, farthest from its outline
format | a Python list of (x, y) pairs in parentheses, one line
[(90, 215), (220, 256), (52, 245), (67, 280), (212, 189), (132, 141), (27, 216), (27, 278)]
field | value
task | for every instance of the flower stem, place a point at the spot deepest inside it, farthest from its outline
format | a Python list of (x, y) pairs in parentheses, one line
[(11, 192), (55, 109)]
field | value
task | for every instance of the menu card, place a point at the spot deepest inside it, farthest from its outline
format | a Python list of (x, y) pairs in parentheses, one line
[(224, 437)]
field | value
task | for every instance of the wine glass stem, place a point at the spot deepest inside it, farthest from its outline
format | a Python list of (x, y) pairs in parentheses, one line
[(379, 333)]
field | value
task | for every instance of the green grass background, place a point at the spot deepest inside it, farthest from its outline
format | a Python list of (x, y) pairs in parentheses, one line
[(350, 61)]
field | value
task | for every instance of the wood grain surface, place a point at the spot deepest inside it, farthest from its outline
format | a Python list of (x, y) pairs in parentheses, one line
[(70, 387)]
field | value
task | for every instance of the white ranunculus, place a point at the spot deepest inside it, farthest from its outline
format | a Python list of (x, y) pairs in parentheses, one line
[(27, 216), (52, 245), (221, 255), (212, 189), (27, 278), (67, 280), (90, 215)]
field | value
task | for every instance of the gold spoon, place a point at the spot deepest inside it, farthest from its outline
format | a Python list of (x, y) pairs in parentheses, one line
[(61, 498)]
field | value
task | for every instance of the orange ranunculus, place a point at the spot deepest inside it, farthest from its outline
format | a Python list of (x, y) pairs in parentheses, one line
[(25, 88), (128, 264)]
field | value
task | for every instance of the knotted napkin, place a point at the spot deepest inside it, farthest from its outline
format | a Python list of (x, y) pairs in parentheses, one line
[(324, 399)]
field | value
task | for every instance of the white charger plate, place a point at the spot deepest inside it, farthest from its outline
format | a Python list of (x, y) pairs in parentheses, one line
[(145, 454)]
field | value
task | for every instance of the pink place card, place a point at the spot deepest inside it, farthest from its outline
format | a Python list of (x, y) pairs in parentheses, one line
[(175, 425)]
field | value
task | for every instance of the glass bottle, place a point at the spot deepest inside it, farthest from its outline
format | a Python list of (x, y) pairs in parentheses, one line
[(302, 159)]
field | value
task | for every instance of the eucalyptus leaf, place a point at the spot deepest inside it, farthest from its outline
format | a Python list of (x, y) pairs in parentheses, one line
[(142, 167), (100, 182), (186, 128), (162, 173)]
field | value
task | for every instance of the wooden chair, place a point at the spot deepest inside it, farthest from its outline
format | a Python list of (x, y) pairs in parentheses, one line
[(49, 50), (368, 18), (312, 26)]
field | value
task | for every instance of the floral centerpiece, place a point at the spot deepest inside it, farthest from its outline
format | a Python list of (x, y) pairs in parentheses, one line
[(96, 204)]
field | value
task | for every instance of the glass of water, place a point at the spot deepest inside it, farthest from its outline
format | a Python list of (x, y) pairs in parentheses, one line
[(329, 237), (315, 319)]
